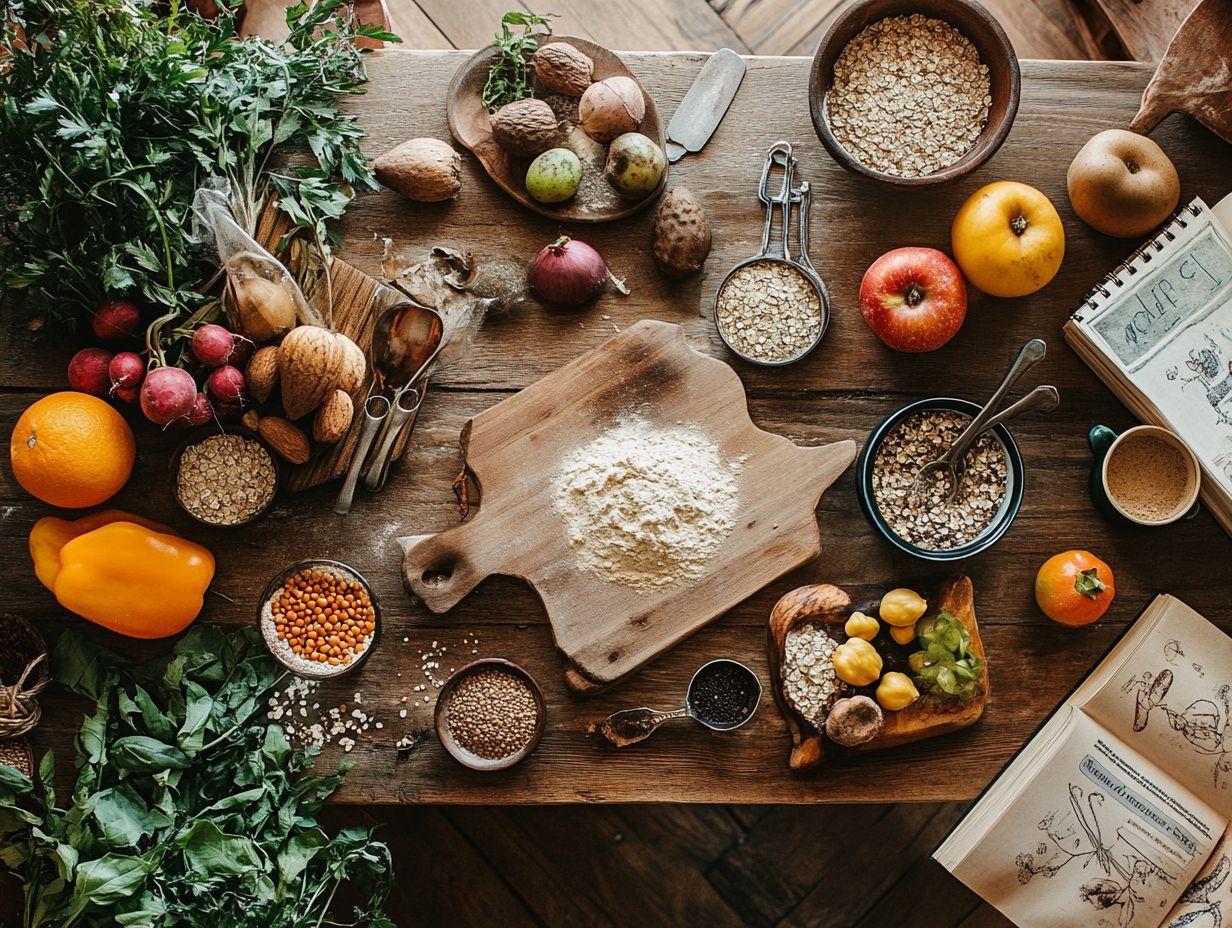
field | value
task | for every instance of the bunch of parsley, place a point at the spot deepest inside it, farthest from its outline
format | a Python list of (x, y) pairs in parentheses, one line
[(188, 810), (112, 112)]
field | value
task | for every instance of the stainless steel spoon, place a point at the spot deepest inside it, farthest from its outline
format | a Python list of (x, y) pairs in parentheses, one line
[(376, 410), (953, 461)]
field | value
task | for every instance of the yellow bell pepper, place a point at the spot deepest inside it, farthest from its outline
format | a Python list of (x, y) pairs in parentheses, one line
[(862, 626), (50, 534), (133, 580), (856, 662), (896, 691), (902, 607)]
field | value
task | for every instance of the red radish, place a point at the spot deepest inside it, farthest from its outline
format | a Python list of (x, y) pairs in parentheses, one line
[(241, 350), (567, 273), (201, 412), (227, 410), (129, 395), (117, 321), (227, 384), (213, 345), (167, 394), (87, 371), (126, 370)]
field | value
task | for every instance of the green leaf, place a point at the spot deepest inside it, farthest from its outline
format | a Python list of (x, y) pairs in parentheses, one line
[(1088, 583), (298, 852), (107, 880), (143, 754), (212, 855), (123, 818)]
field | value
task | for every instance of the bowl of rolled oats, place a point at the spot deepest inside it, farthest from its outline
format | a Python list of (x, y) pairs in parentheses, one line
[(224, 476), (914, 93), (916, 517)]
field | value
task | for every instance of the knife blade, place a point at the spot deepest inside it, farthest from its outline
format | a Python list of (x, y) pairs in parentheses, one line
[(704, 106)]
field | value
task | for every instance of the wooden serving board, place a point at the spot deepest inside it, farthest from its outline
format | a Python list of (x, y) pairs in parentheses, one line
[(358, 299), (513, 449), (470, 125), (823, 604)]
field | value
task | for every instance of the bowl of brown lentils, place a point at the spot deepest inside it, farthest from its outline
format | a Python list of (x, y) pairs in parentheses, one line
[(224, 476), (914, 93), (916, 518), (490, 714)]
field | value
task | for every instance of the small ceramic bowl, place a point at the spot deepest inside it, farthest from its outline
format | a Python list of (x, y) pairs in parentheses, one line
[(1000, 522), (440, 719), (327, 672), (200, 434), (969, 18)]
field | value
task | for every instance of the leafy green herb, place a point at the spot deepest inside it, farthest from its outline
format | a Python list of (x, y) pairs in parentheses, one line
[(188, 808), (510, 78), (945, 668), (115, 111)]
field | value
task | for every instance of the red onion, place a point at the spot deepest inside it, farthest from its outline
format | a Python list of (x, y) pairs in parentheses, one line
[(567, 273)]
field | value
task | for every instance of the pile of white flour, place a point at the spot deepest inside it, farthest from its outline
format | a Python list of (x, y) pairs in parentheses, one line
[(647, 507)]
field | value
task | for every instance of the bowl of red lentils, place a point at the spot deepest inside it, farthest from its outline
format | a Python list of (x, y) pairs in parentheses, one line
[(319, 618), (490, 714)]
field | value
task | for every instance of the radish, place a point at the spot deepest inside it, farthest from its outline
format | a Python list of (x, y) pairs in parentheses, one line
[(213, 345), (167, 394), (130, 395), (126, 370), (117, 321), (227, 410), (242, 350), (87, 371), (201, 412), (227, 384)]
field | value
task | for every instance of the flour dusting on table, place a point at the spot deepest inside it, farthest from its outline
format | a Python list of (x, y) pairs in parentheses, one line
[(647, 507)]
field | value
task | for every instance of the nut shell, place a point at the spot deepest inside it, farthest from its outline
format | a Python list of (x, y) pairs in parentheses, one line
[(561, 68), (262, 373), (682, 236), (426, 170), (333, 417), (286, 439), (854, 721), (312, 363), (525, 127), (611, 107)]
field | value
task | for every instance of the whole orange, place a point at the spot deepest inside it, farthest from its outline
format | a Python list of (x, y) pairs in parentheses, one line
[(72, 450), (1074, 588)]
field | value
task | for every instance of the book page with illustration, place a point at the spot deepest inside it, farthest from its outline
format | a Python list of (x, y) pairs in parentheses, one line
[(1100, 836), (1166, 690)]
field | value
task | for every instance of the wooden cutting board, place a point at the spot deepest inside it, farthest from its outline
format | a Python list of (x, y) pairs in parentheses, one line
[(513, 450), (826, 605)]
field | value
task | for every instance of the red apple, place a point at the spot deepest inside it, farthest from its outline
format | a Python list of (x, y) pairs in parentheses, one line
[(914, 299)]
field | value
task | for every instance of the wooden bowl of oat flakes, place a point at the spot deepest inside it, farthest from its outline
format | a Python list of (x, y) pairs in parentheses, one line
[(918, 520), (914, 93), (224, 476)]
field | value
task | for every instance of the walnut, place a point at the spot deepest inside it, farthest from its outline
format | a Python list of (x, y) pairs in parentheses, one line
[(525, 127), (561, 68), (427, 170), (681, 233)]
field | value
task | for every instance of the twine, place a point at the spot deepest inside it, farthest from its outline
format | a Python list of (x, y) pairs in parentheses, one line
[(19, 709)]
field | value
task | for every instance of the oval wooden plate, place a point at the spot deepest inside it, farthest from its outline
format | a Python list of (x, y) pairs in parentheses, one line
[(469, 124)]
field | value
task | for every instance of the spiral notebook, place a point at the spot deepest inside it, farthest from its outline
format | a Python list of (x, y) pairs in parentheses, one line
[(1158, 332)]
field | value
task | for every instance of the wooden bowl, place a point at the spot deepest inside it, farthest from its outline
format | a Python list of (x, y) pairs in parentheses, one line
[(969, 18), (440, 719), (469, 124), (200, 434)]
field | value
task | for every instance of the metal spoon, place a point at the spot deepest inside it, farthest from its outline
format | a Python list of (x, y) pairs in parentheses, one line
[(376, 409), (406, 340), (954, 460)]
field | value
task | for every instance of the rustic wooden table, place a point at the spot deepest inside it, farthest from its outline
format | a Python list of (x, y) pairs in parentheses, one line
[(840, 391)]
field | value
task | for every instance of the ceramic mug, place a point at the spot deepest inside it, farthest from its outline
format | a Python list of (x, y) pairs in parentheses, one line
[(1104, 447)]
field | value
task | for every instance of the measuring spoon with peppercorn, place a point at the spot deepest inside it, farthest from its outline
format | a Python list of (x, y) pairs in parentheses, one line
[(722, 695)]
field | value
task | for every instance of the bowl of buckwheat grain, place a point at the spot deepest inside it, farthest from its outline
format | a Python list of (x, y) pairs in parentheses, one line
[(915, 516), (490, 714), (914, 93)]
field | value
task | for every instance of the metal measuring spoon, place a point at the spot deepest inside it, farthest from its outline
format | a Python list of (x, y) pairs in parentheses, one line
[(629, 726), (376, 409), (954, 460), (406, 340)]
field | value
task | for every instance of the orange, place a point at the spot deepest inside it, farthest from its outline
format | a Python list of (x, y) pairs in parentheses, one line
[(1074, 588), (72, 450)]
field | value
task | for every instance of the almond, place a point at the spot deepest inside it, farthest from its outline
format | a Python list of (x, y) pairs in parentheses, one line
[(262, 373), (352, 367), (288, 440), (251, 420), (333, 417)]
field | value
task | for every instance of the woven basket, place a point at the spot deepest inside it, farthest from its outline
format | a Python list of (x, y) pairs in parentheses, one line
[(23, 647)]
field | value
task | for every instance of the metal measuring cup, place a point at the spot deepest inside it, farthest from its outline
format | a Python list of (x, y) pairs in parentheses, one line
[(629, 726), (781, 157)]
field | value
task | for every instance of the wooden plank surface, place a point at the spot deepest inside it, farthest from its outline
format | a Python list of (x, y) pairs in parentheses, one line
[(841, 391)]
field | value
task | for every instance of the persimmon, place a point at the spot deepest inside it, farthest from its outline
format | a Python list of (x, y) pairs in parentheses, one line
[(1074, 588)]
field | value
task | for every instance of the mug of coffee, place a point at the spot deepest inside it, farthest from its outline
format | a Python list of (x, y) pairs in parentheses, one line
[(1146, 475)]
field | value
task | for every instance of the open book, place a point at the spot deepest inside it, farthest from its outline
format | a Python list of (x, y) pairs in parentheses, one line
[(1158, 332), (1116, 813)]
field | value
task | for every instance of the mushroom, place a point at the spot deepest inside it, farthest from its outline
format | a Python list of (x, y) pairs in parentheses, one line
[(854, 721)]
